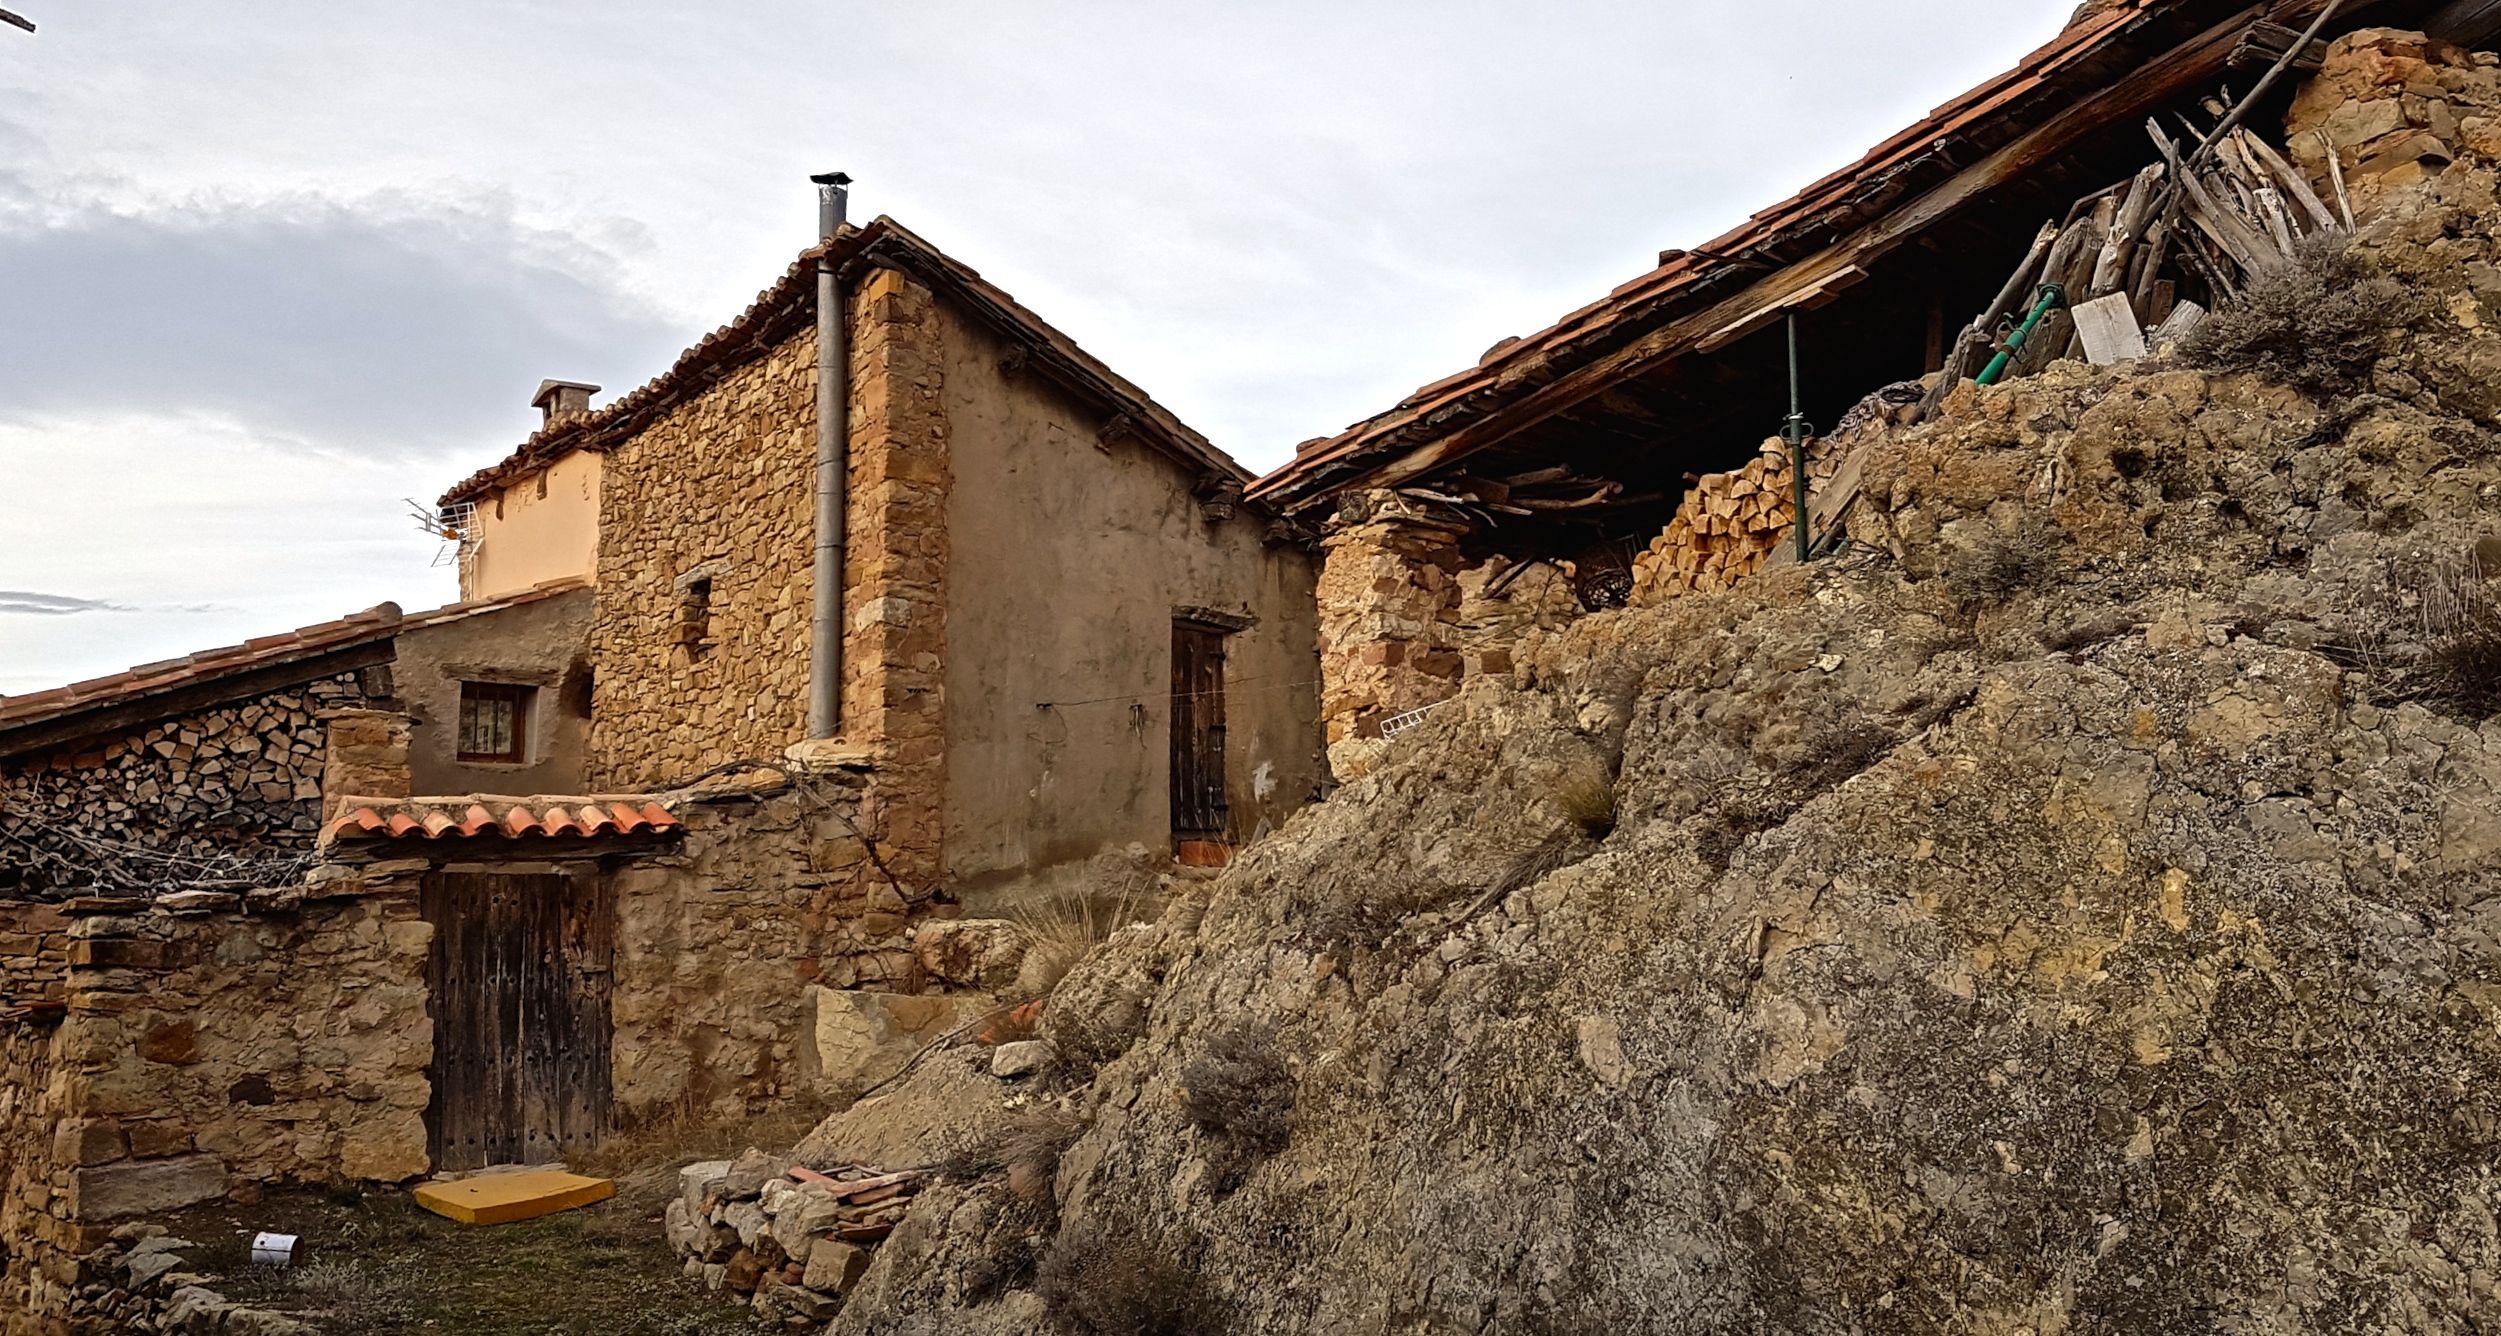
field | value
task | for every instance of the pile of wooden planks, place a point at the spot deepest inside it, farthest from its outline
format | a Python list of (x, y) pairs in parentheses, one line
[(2203, 218)]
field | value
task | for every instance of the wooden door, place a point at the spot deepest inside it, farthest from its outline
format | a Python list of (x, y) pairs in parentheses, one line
[(518, 985), (1198, 804)]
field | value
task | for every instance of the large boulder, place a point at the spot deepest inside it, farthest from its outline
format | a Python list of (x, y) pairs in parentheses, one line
[(2076, 908)]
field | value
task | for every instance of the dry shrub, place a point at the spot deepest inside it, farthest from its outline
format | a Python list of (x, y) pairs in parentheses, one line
[(1239, 1093), (1063, 926), (2461, 667), (2317, 322), (1112, 1278), (349, 1292), (1090, 1039), (687, 1131), (1548, 857), (1027, 1148)]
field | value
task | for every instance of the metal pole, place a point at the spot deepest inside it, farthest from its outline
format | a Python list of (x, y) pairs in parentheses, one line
[(833, 467), (2051, 298), (1796, 433)]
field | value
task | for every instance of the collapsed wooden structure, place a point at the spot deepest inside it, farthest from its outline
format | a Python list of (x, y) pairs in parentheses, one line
[(1615, 442)]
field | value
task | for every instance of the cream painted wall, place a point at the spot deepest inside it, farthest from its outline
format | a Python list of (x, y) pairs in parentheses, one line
[(526, 539), (1067, 562)]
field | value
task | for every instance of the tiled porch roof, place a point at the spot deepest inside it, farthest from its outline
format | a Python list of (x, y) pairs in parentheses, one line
[(488, 816)]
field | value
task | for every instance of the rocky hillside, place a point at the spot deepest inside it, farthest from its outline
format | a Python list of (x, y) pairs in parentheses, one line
[(2075, 908)]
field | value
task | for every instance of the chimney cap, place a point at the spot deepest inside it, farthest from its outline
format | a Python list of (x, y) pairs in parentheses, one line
[(832, 178), (548, 389)]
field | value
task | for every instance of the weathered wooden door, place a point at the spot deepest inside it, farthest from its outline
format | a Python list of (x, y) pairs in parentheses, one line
[(1198, 805), (519, 983)]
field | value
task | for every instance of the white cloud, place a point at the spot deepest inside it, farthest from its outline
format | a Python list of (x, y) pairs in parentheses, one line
[(189, 533)]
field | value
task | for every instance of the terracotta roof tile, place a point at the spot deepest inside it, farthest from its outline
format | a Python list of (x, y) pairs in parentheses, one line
[(788, 306), (381, 622), (475, 816)]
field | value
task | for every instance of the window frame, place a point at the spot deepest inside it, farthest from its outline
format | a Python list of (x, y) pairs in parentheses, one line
[(522, 698)]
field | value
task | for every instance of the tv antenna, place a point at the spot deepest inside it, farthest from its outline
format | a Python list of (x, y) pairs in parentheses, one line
[(17, 20)]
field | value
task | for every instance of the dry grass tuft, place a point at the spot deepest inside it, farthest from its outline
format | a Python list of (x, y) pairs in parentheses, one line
[(2316, 323), (1110, 1278), (1586, 793), (1062, 927), (2461, 667), (350, 1292)]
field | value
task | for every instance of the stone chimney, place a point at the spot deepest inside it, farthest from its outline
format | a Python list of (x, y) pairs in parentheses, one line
[(563, 400)]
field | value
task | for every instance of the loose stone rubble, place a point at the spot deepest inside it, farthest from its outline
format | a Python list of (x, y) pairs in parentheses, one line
[(141, 1281), (794, 1239)]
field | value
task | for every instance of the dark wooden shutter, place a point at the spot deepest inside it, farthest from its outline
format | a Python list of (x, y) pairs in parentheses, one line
[(1198, 805), (519, 988)]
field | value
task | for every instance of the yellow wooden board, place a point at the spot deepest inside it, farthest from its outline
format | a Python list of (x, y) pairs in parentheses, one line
[(499, 1199)]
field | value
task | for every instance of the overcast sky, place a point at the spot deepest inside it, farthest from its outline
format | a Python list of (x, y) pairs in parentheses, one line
[(268, 268)]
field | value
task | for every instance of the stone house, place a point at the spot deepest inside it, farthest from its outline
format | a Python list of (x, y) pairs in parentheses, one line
[(699, 882), (1063, 632), (162, 1034), (1621, 455)]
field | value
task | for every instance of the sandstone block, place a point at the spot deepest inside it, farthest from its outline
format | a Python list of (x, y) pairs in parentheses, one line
[(862, 1038), (835, 1266), (145, 1187), (748, 1174), (698, 1184), (84, 1141), (974, 953), (1012, 1062), (388, 1149)]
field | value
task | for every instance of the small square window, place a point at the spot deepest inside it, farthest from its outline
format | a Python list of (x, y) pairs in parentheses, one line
[(494, 722)]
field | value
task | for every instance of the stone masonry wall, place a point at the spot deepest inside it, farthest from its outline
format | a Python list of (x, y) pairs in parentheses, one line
[(1389, 600), (1405, 619), (34, 952), (218, 1039), (722, 488), (243, 777), (34, 1249), (894, 641), (211, 1042), (720, 940), (2394, 108)]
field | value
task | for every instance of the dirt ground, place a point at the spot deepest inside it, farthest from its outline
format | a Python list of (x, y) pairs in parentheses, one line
[(383, 1267), (373, 1263)]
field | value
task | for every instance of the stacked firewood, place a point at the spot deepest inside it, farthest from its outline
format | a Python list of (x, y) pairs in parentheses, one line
[(1727, 528)]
